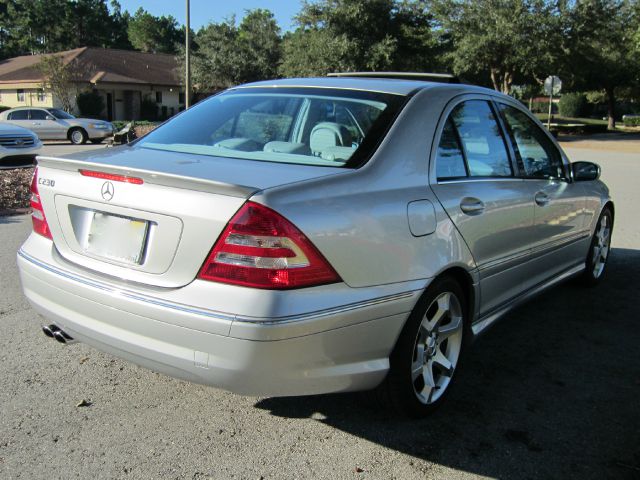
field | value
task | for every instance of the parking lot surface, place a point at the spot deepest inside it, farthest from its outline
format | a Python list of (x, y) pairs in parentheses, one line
[(553, 391)]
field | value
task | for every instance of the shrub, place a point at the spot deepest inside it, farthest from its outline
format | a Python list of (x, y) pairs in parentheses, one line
[(137, 124), (148, 109), (3, 108), (631, 121), (573, 105), (90, 104), (543, 107)]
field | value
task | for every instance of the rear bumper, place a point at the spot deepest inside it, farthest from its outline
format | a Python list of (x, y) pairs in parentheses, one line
[(342, 348)]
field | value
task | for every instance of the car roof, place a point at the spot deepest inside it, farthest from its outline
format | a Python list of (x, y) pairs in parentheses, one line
[(382, 85), (28, 107)]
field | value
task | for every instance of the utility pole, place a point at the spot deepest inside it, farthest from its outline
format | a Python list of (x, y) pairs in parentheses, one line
[(550, 101), (187, 56)]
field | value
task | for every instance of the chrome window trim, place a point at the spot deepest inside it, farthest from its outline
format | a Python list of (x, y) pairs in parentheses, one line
[(479, 179)]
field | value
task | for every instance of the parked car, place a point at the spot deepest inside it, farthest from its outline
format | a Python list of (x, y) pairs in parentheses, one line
[(18, 147), (304, 236), (56, 124)]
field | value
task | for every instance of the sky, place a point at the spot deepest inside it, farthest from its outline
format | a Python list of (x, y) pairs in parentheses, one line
[(205, 11)]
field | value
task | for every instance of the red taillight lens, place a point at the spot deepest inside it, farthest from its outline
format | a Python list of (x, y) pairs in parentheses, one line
[(38, 219), (260, 248)]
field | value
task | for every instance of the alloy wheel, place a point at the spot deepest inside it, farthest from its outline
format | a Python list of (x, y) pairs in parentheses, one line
[(437, 348), (601, 246)]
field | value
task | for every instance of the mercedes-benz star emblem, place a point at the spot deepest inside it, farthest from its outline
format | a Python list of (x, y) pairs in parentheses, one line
[(107, 191)]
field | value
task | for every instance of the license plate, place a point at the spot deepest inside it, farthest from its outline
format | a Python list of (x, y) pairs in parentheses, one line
[(117, 238)]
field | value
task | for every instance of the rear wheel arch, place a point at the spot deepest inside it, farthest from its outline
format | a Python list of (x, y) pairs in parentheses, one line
[(464, 279)]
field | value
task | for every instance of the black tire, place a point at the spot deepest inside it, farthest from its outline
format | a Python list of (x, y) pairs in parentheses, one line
[(97, 141), (78, 136), (399, 391), (595, 266)]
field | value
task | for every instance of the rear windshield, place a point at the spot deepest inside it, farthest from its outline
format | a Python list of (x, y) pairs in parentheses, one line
[(307, 126)]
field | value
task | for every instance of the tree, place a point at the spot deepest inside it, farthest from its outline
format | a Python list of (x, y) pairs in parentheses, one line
[(500, 39), (119, 27), (46, 26), (58, 79), (225, 54), (259, 41), (148, 33), (351, 35), (36, 26), (90, 104), (600, 49)]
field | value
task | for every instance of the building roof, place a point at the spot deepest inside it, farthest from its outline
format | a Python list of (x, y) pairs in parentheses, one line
[(99, 65)]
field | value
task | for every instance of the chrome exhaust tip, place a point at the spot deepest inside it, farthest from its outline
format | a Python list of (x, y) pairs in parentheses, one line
[(53, 331), (49, 330)]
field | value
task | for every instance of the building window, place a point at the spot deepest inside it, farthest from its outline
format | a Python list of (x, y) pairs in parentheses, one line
[(158, 97), (41, 96), (181, 98), (20, 93)]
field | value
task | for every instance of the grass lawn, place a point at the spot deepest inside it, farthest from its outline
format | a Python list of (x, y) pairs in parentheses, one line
[(567, 120)]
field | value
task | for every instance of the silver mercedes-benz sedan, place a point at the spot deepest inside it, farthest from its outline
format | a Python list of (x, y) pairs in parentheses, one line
[(304, 236)]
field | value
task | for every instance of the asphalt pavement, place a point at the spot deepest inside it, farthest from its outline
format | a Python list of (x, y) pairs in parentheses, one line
[(552, 391)]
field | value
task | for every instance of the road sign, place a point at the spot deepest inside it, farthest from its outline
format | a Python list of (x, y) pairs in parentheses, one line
[(552, 85)]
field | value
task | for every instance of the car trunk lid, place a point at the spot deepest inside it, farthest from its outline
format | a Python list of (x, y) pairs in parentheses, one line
[(159, 229)]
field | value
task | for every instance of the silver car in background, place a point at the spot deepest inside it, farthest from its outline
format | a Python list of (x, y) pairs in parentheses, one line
[(18, 147), (305, 236), (56, 124)]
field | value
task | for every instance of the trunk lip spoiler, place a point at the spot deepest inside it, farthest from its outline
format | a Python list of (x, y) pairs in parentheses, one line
[(151, 176)]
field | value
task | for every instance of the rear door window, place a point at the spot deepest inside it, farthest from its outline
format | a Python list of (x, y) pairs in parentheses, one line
[(536, 154), (450, 162), (38, 114), (481, 139)]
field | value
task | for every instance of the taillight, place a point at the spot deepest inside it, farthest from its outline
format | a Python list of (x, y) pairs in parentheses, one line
[(38, 219), (260, 248)]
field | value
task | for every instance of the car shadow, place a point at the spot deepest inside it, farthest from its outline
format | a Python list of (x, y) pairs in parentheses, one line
[(552, 391)]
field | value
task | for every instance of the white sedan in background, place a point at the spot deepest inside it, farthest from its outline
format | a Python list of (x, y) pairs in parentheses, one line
[(56, 124), (18, 147)]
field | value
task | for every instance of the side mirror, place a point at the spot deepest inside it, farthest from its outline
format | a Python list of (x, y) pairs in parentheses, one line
[(585, 171), (49, 117)]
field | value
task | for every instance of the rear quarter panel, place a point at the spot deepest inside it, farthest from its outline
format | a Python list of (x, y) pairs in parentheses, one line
[(359, 220)]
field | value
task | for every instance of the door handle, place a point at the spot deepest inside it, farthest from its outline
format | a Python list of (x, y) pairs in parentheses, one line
[(471, 206), (37, 123), (541, 198)]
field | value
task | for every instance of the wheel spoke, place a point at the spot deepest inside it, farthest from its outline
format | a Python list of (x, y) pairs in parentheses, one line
[(443, 309), (442, 361), (418, 363), (427, 374), (450, 328)]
